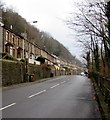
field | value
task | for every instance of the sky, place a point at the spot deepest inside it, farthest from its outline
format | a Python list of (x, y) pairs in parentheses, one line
[(50, 15)]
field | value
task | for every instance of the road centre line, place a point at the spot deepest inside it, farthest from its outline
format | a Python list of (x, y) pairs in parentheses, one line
[(7, 106), (55, 86), (37, 94)]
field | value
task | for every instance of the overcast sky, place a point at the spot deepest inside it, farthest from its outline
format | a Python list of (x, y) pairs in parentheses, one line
[(50, 15)]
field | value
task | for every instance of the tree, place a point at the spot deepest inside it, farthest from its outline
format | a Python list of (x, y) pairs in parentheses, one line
[(108, 16), (92, 25)]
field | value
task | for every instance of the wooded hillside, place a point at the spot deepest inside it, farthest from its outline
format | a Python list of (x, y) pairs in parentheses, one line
[(12, 19)]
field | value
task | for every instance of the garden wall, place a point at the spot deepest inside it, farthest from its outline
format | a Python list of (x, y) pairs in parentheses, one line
[(13, 72)]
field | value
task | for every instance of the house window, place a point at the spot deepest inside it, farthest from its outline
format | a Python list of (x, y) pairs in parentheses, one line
[(31, 48), (28, 46), (26, 55), (11, 51), (30, 56), (33, 57), (13, 39), (18, 41), (7, 35)]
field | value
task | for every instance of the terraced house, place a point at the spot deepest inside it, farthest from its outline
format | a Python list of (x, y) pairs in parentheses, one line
[(13, 44), (20, 48)]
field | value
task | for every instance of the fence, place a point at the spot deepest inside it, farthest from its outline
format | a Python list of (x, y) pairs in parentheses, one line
[(104, 86)]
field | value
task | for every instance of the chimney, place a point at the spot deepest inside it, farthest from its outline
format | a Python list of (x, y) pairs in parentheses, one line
[(11, 27)]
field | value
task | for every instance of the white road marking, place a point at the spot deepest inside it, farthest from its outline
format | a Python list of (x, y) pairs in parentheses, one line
[(55, 86), (7, 106), (63, 82), (37, 94)]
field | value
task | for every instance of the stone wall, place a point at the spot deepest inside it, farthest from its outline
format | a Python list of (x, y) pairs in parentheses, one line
[(38, 72), (13, 72)]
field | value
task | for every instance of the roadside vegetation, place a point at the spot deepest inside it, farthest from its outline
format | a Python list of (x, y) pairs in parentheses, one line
[(92, 26)]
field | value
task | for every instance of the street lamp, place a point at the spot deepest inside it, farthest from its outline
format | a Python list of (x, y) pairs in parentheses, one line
[(34, 21), (25, 37)]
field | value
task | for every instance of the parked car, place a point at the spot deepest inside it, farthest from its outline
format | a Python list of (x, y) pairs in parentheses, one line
[(84, 74)]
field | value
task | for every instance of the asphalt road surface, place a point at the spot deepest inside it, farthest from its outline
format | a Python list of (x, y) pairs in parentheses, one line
[(60, 97)]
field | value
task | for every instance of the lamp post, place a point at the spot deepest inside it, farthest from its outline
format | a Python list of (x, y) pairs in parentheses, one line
[(25, 37), (26, 59)]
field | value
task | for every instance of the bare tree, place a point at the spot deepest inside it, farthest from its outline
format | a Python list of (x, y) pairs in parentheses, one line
[(91, 24)]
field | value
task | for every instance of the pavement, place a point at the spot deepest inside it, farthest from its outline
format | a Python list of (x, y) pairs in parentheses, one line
[(60, 97)]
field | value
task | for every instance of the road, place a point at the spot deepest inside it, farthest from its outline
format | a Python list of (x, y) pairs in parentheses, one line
[(60, 97)]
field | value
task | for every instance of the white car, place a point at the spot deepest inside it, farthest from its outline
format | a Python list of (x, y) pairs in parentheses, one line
[(82, 74)]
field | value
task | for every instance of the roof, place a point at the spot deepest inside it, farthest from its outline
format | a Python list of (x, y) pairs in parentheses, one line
[(7, 28)]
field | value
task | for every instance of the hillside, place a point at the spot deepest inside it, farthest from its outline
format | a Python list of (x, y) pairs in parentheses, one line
[(44, 40)]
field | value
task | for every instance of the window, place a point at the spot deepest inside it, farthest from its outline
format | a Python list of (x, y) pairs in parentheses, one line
[(7, 36), (28, 46), (18, 42), (30, 56), (13, 39), (26, 55), (11, 51)]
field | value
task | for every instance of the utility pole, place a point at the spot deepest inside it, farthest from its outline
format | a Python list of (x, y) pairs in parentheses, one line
[(108, 16), (24, 48), (1, 24)]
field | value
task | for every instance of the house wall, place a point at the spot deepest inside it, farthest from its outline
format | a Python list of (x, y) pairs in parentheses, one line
[(44, 53), (12, 43)]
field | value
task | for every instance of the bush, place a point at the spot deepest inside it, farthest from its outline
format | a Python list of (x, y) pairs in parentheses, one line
[(9, 57), (2, 55)]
